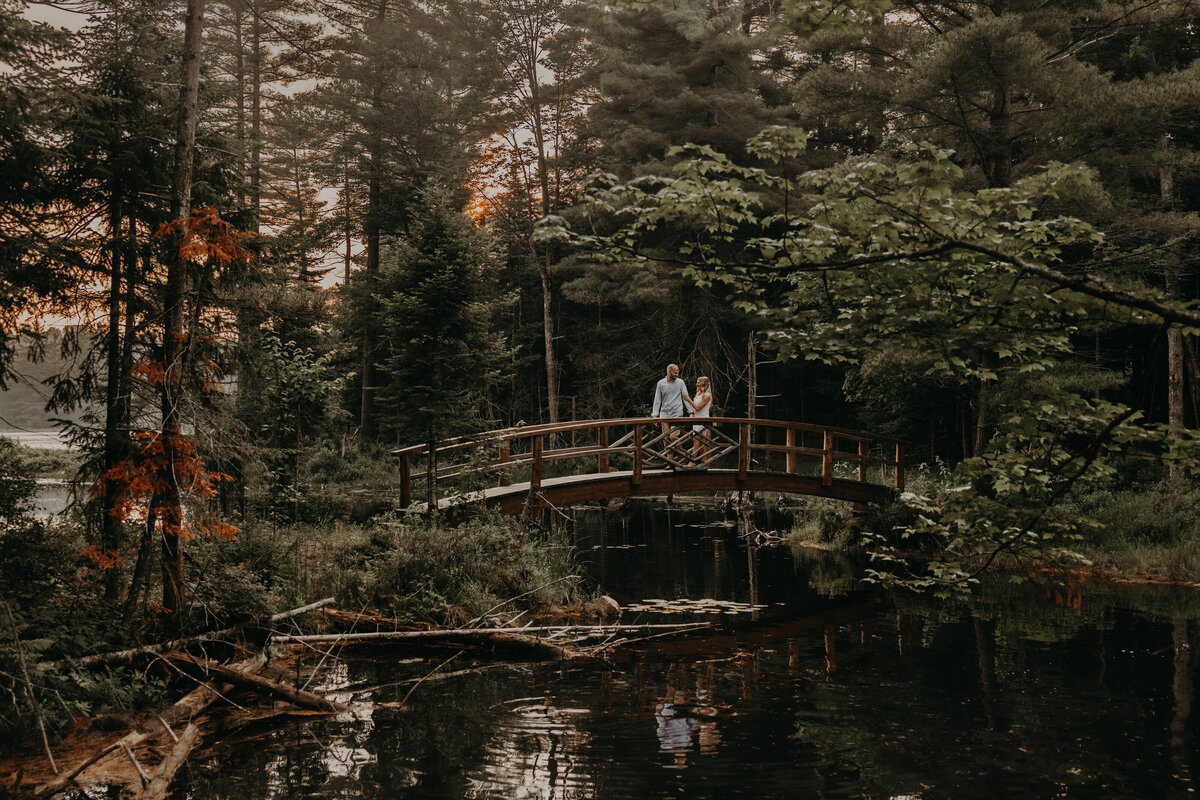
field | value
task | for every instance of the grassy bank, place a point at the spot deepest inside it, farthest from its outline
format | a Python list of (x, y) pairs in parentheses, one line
[(1151, 529), (1146, 529)]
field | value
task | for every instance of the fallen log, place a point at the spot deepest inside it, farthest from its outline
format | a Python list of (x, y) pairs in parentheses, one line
[(188, 706), (119, 656), (357, 618), (157, 789), (238, 677), (469, 633)]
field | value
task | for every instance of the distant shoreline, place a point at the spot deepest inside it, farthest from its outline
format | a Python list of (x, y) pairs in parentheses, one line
[(46, 440)]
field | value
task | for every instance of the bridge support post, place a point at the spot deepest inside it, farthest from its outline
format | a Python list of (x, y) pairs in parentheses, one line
[(793, 459), (602, 459), (637, 454), (743, 450), (535, 474), (431, 477), (827, 460), (862, 460), (505, 475), (405, 481)]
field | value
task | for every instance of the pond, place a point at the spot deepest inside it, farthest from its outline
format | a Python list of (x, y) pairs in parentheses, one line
[(805, 687)]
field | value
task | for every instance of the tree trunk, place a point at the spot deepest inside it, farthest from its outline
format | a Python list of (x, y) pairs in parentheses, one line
[(174, 350), (751, 377), (110, 526), (1175, 370), (256, 53), (998, 157), (349, 230), (544, 259), (371, 233), (548, 336), (141, 568), (238, 9)]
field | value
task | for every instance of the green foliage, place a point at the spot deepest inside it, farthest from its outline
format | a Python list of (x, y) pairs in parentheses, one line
[(17, 486), (1145, 528), (819, 520), (436, 309), (427, 571), (894, 256)]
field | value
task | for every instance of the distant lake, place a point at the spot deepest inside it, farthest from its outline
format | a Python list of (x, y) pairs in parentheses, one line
[(53, 496), (47, 440)]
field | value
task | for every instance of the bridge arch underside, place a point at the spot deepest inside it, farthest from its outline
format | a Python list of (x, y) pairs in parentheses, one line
[(574, 489)]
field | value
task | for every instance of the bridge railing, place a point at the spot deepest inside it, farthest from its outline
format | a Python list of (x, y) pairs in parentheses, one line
[(637, 444)]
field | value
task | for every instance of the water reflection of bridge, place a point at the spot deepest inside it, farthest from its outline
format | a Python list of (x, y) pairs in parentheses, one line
[(592, 460)]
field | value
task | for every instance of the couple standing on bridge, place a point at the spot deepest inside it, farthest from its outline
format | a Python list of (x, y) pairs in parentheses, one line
[(671, 400)]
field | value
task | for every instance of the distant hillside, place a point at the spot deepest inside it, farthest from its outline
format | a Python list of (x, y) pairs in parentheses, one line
[(23, 404)]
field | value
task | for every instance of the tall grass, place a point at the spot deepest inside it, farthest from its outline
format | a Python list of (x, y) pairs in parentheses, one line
[(1153, 528)]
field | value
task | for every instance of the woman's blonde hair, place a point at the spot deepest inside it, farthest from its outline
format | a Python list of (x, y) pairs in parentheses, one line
[(703, 381)]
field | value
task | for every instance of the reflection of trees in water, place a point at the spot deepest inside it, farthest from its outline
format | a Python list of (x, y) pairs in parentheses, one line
[(1004, 694)]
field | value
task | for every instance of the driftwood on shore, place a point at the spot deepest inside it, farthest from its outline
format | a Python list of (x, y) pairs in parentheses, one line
[(483, 634), (158, 786), (362, 619), (124, 656), (188, 707), (258, 683), (543, 642)]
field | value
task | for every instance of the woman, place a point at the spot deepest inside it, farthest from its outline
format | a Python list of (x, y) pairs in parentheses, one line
[(701, 405)]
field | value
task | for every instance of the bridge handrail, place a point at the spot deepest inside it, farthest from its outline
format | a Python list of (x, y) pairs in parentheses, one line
[(631, 444), (546, 428)]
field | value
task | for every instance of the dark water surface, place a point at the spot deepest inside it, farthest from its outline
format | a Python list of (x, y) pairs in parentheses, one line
[(804, 689)]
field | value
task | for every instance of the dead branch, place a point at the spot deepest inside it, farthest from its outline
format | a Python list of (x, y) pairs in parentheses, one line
[(354, 618), (157, 788), (483, 633), (189, 706), (137, 765), (248, 680), (37, 709), (487, 613), (120, 656)]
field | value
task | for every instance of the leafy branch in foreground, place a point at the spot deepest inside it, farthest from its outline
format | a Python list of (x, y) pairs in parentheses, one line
[(891, 256)]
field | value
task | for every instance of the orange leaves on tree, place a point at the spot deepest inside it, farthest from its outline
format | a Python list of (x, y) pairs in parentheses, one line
[(149, 371), (160, 463), (205, 237), (104, 559)]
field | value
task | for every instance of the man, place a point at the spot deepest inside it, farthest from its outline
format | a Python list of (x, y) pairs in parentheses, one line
[(670, 402)]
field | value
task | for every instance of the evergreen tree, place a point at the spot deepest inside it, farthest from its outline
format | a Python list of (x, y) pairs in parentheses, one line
[(406, 85), (437, 319), (34, 246)]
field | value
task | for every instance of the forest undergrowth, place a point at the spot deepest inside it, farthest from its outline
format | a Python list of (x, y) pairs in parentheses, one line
[(406, 566)]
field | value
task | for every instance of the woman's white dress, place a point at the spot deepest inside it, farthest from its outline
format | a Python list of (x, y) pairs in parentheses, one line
[(704, 412)]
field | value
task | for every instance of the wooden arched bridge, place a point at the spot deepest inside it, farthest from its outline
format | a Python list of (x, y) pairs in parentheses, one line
[(592, 460)]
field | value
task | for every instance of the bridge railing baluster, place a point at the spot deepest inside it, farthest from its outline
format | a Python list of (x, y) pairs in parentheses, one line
[(827, 459), (405, 481), (535, 475), (431, 477), (505, 478), (743, 450), (637, 454), (602, 459)]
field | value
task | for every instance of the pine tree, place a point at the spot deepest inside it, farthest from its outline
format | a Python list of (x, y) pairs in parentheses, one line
[(406, 86), (437, 319), (33, 246)]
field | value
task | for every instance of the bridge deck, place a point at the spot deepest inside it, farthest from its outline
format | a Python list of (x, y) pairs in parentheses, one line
[(571, 489), (641, 456)]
